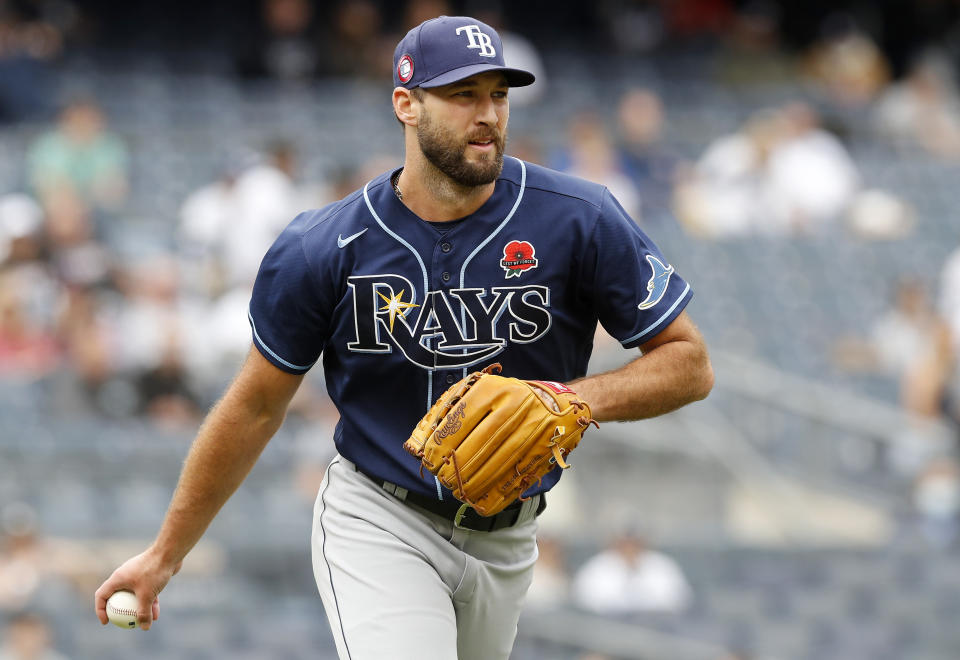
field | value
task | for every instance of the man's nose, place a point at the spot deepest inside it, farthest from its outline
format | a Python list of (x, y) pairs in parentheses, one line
[(487, 112)]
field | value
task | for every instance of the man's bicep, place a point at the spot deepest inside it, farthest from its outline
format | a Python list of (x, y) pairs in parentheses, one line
[(264, 385), (681, 328)]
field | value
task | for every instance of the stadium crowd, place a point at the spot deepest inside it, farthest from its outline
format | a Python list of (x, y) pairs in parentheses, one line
[(93, 327)]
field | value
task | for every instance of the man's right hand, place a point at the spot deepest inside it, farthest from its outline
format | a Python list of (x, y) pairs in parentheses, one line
[(145, 575), (229, 442)]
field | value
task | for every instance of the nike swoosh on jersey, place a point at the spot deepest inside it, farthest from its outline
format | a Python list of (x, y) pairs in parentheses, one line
[(342, 242)]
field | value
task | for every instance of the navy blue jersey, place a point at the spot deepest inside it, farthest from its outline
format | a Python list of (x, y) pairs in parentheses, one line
[(400, 308)]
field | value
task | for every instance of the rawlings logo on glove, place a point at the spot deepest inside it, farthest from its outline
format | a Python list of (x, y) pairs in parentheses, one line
[(452, 423), (489, 438)]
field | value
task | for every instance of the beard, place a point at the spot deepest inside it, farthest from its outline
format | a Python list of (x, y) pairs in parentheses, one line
[(446, 152)]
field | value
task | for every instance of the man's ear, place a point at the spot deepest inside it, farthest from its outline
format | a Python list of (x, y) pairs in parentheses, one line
[(403, 106)]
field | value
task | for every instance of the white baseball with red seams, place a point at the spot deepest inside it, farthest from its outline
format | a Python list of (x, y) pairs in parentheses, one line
[(122, 609)]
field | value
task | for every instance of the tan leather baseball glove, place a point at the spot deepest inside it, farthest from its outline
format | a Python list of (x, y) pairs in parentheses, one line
[(489, 438)]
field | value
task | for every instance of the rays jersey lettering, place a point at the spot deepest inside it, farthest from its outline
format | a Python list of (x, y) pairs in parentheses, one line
[(447, 329)]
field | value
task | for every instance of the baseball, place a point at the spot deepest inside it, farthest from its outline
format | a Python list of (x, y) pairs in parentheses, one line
[(122, 609)]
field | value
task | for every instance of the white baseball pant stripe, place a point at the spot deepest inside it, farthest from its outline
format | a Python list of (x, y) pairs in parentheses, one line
[(402, 583)]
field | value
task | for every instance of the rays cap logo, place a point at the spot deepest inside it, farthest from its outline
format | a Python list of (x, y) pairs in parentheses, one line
[(450, 48)]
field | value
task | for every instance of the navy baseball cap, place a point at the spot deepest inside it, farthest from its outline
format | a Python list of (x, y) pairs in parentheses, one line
[(446, 49)]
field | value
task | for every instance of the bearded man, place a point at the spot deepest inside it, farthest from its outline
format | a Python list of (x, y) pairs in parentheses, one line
[(461, 258)]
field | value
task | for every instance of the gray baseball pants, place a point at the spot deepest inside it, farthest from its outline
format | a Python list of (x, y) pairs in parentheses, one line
[(403, 583)]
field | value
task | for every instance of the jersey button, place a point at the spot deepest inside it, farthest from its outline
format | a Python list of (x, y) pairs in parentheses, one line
[(445, 247), (450, 379), (445, 276)]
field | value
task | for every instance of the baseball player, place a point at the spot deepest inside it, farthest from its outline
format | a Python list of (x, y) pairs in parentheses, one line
[(461, 258)]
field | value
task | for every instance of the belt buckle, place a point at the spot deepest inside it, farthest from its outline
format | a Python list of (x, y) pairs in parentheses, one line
[(487, 524), (460, 513), (492, 523)]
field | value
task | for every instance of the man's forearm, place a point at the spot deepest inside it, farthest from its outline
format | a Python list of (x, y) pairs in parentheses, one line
[(226, 448), (224, 452), (666, 378)]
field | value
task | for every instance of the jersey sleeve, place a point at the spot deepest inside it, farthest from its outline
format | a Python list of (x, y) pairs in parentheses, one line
[(288, 314), (634, 289)]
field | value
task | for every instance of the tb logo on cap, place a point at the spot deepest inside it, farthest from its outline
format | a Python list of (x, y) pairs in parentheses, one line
[(479, 40)]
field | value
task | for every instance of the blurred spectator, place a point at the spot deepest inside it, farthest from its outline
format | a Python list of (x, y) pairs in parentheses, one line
[(634, 27), (936, 501), (21, 561), (225, 229), (355, 46), (159, 330), (810, 176), (880, 215), (205, 216), (33, 567), (165, 393), (21, 219), (719, 196), (630, 577), (910, 343), (28, 347), (591, 155), (551, 580), (217, 339), (76, 255), (293, 43), (235, 219), (266, 197), (901, 335), (752, 51), (847, 65), (31, 40), (925, 390), (923, 108), (949, 301), (28, 637), (780, 174), (28, 292), (285, 46), (87, 337), (645, 156), (81, 156)]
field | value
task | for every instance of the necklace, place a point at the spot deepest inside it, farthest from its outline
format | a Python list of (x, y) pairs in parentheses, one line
[(396, 185)]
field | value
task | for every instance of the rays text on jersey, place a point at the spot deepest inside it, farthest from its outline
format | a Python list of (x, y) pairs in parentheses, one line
[(447, 329)]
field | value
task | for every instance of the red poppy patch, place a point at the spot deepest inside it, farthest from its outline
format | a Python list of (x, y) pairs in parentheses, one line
[(518, 256)]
